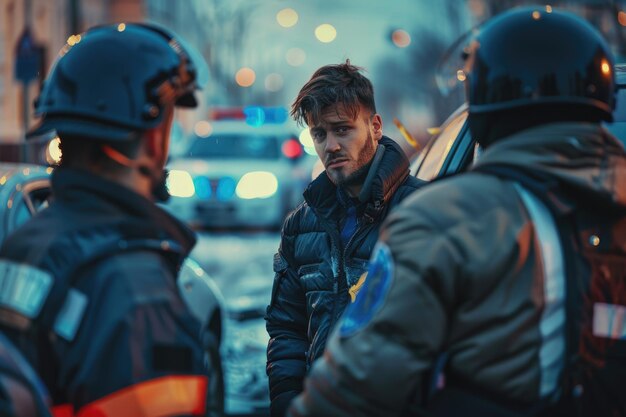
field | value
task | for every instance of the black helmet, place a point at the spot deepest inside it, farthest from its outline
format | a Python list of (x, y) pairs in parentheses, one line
[(535, 56), (114, 81)]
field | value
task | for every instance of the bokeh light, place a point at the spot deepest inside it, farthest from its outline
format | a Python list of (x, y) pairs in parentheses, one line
[(203, 129), (307, 141), (245, 77), (305, 138), (73, 40), (53, 155), (287, 17), (274, 82), (325, 33), (605, 67), (295, 57), (401, 38)]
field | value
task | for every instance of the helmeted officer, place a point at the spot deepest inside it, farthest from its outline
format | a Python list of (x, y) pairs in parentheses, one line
[(89, 289), (496, 292)]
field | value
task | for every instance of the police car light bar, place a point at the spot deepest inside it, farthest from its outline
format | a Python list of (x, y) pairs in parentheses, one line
[(253, 115)]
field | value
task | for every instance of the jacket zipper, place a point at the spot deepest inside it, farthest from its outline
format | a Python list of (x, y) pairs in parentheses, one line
[(341, 273), (334, 238)]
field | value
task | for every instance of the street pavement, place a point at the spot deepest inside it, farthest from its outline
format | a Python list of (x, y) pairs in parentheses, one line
[(241, 265)]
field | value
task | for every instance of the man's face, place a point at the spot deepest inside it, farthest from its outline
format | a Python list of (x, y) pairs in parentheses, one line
[(346, 145)]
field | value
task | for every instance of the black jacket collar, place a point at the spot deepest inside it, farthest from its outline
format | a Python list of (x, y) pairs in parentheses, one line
[(102, 200), (321, 194)]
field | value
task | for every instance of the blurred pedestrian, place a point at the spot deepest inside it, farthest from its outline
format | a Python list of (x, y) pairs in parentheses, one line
[(326, 242), (497, 292), (89, 289)]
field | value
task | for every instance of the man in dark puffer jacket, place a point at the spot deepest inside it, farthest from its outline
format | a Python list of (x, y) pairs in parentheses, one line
[(327, 241)]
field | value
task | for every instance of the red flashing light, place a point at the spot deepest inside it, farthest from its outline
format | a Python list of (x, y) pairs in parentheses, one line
[(292, 149), (227, 113)]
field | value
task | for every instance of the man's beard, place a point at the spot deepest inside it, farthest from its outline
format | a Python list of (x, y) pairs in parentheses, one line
[(159, 190), (364, 161)]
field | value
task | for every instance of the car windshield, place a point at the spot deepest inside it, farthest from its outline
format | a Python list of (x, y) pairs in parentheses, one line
[(234, 146), (430, 165)]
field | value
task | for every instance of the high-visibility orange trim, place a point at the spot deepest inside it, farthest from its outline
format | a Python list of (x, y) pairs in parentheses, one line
[(64, 410), (160, 397)]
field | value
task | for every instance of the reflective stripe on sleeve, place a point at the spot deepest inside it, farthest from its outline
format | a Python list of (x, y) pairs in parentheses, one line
[(23, 288), (552, 323), (166, 396), (609, 321), (71, 314)]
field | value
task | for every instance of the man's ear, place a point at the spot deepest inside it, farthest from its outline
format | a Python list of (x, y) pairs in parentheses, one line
[(377, 126)]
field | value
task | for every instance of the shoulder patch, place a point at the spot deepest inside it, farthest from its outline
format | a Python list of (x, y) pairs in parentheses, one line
[(373, 293), (23, 288)]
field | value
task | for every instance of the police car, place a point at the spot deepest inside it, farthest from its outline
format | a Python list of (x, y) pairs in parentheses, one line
[(25, 189), (245, 168), (453, 149)]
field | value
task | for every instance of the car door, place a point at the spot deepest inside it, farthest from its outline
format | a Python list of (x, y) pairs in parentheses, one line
[(27, 194), (449, 151)]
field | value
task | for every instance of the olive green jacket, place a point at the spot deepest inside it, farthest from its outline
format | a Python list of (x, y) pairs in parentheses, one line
[(460, 272)]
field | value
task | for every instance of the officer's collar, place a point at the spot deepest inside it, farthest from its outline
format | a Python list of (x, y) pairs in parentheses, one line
[(102, 198)]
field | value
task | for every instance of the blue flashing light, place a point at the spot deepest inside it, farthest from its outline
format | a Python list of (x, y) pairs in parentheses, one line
[(203, 187), (226, 188), (255, 116), (258, 116), (276, 114)]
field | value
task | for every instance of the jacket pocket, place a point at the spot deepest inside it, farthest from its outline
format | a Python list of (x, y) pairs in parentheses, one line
[(318, 289), (280, 267), (318, 334), (313, 278)]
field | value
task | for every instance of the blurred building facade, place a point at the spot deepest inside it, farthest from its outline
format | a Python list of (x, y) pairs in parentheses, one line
[(50, 24), (233, 34)]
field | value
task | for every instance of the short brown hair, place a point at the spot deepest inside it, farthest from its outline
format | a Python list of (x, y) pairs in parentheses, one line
[(333, 84)]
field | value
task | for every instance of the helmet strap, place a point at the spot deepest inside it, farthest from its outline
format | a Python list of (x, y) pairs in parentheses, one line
[(159, 189), (123, 160), (119, 157)]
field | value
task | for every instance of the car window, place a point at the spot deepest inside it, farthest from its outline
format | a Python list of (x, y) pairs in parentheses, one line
[(439, 148), (233, 146), (22, 214), (34, 197)]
